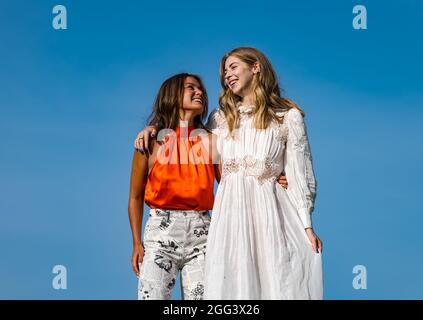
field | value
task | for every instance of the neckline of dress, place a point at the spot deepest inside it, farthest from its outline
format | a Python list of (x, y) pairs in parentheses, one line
[(246, 109)]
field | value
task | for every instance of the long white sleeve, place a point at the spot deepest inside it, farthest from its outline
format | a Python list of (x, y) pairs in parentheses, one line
[(298, 167)]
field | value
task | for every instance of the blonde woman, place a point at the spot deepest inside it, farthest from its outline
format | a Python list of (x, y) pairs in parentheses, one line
[(261, 242)]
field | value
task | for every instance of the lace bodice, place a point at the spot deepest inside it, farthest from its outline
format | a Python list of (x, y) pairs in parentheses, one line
[(264, 154)]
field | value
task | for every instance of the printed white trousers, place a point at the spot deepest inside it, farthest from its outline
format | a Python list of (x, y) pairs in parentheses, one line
[(174, 240)]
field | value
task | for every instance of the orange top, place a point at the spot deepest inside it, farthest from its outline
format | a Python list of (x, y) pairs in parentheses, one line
[(182, 176)]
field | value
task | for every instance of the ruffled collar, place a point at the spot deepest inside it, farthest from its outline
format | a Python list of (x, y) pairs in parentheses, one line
[(245, 109)]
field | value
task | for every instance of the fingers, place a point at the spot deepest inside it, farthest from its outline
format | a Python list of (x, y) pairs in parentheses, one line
[(314, 245), (149, 132), (320, 245), (141, 142), (314, 242), (139, 262), (138, 144), (283, 182), (143, 139), (317, 245), (135, 266), (282, 177)]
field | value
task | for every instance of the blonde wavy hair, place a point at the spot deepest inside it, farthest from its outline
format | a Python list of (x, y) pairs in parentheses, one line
[(266, 93)]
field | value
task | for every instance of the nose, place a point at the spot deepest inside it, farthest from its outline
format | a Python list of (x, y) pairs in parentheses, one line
[(227, 75), (198, 93)]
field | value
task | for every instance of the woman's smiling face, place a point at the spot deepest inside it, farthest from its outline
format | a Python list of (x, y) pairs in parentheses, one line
[(238, 76), (193, 95)]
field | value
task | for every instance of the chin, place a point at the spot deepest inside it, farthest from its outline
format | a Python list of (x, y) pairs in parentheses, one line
[(237, 92), (197, 109)]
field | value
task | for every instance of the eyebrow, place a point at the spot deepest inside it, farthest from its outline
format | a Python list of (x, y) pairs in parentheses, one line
[(192, 84), (230, 65)]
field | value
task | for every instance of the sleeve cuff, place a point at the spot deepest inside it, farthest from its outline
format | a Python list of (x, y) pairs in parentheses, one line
[(305, 217)]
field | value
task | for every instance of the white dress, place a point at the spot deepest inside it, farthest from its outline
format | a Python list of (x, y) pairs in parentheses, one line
[(257, 247)]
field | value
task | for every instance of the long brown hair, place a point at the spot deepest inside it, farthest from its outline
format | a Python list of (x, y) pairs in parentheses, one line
[(169, 100), (266, 93)]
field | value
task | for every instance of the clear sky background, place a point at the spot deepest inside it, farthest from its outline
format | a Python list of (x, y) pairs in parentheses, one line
[(72, 102)]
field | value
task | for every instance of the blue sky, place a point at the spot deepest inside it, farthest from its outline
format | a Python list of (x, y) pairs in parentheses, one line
[(72, 101)]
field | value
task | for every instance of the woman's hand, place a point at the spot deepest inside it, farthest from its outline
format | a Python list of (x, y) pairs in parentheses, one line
[(282, 181), (315, 240), (141, 143), (137, 257)]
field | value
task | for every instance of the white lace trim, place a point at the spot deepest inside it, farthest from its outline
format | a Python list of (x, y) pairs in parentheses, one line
[(217, 120), (247, 109), (262, 170)]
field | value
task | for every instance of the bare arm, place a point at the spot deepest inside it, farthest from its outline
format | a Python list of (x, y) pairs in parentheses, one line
[(217, 171), (136, 205)]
